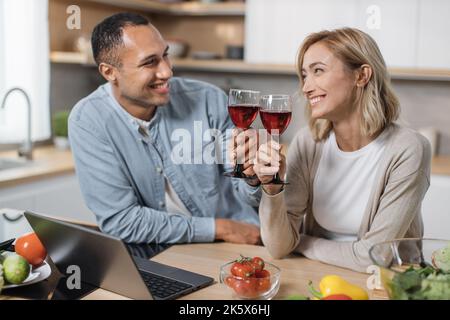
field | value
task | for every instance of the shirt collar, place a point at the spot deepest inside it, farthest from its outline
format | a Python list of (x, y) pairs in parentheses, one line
[(142, 126)]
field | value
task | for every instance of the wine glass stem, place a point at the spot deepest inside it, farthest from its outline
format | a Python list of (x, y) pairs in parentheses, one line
[(239, 168), (276, 138)]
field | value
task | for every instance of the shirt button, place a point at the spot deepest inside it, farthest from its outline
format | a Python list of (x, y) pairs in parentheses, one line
[(159, 170), (162, 204)]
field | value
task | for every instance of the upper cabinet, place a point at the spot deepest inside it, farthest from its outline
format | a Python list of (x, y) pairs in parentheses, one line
[(410, 33), (393, 25), (275, 29), (433, 49)]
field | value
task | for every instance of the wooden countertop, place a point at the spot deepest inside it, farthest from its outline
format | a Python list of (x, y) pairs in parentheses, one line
[(296, 271), (206, 259), (48, 162)]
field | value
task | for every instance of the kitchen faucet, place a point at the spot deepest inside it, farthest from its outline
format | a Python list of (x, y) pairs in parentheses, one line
[(26, 150)]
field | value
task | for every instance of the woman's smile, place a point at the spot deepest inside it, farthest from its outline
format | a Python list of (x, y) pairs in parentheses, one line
[(316, 99)]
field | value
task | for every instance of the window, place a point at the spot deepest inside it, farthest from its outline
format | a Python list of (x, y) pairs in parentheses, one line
[(24, 63)]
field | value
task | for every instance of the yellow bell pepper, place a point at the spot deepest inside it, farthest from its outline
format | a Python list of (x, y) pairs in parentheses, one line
[(335, 285)]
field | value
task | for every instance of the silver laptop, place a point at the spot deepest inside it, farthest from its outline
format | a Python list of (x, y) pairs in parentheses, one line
[(104, 261)]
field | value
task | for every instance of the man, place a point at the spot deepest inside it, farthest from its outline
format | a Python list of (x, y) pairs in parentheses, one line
[(122, 140)]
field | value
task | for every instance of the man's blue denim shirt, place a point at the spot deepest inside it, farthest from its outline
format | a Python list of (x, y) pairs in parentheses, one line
[(121, 169)]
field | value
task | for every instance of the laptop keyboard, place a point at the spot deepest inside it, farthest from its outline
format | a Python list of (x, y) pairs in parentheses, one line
[(163, 287)]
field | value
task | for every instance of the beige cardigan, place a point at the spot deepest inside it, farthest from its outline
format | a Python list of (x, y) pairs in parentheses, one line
[(393, 210)]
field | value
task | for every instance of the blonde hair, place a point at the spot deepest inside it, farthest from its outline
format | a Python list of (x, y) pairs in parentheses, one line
[(377, 102)]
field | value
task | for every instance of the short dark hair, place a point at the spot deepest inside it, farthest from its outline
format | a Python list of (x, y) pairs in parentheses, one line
[(107, 36)]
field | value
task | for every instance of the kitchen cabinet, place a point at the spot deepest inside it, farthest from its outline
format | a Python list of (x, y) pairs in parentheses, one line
[(434, 27), (394, 26), (436, 208), (58, 196), (411, 34), (275, 30)]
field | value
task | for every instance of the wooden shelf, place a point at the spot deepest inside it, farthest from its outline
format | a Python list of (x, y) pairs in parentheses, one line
[(70, 57), (420, 74), (193, 8), (238, 66), (220, 65), (232, 66)]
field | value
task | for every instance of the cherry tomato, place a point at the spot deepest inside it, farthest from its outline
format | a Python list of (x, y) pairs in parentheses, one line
[(229, 281), (247, 288), (263, 281), (242, 268), (263, 285), (258, 263), (262, 274), (30, 247)]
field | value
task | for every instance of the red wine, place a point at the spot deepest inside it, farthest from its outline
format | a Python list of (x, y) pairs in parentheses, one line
[(243, 116), (275, 120)]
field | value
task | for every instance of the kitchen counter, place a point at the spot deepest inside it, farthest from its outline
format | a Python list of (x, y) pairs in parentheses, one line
[(206, 259), (49, 162)]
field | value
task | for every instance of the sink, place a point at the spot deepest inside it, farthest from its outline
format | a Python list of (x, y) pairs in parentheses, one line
[(6, 163)]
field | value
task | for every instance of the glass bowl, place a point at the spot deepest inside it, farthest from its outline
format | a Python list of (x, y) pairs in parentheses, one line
[(408, 268), (251, 288)]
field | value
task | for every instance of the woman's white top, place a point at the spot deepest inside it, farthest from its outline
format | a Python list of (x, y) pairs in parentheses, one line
[(342, 186)]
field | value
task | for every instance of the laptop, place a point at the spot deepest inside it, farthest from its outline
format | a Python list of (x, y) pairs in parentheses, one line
[(104, 261)]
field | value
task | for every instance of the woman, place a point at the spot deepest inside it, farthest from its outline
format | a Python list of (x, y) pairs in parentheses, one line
[(355, 177)]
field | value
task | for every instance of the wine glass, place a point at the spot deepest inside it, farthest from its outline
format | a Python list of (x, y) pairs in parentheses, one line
[(276, 113), (243, 107)]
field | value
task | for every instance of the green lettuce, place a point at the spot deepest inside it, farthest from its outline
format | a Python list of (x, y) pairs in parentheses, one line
[(421, 284)]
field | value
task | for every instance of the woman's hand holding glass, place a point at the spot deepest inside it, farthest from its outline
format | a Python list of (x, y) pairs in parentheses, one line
[(270, 161)]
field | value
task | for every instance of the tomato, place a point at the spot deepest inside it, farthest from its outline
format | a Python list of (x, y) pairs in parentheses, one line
[(242, 268), (263, 285), (247, 288), (262, 274), (30, 247), (258, 263), (229, 281), (249, 278), (263, 280)]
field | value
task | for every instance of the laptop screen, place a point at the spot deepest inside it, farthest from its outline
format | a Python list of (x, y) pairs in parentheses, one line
[(146, 251)]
